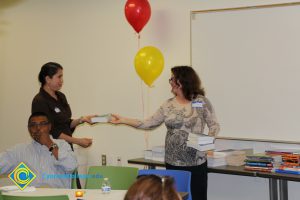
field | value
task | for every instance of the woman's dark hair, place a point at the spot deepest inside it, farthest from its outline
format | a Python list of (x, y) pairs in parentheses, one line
[(48, 69), (189, 80), (152, 187)]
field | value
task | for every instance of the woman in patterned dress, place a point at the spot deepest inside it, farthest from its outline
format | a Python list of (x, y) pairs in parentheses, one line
[(187, 112)]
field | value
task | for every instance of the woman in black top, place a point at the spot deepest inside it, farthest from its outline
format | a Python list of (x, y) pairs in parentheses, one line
[(54, 103)]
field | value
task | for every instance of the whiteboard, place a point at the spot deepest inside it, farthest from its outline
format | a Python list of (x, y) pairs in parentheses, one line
[(248, 60)]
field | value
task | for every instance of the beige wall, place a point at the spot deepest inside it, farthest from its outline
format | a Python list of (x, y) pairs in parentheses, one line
[(96, 46)]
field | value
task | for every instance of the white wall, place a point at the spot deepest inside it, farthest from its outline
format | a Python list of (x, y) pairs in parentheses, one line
[(96, 46)]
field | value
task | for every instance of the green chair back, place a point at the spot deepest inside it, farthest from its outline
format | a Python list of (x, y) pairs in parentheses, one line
[(74, 181), (74, 184), (1, 198), (120, 178), (58, 197)]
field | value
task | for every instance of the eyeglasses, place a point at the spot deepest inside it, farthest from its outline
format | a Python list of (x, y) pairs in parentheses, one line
[(35, 125), (172, 79)]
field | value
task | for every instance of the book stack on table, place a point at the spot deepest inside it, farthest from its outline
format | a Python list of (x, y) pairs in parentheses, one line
[(200, 142), (236, 158), (216, 159), (157, 153), (261, 162), (290, 160)]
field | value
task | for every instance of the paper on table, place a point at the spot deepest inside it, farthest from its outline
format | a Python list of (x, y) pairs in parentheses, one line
[(14, 188), (101, 118)]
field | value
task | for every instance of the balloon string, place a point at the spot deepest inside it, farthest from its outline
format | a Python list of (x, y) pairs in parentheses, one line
[(142, 97), (139, 40), (146, 134), (145, 115), (148, 102)]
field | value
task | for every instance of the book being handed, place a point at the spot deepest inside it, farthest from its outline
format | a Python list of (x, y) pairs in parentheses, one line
[(101, 118)]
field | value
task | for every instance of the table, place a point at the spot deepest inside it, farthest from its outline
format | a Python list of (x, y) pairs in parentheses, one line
[(274, 178), (89, 194)]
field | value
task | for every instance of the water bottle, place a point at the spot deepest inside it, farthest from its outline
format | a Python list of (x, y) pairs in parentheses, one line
[(106, 188)]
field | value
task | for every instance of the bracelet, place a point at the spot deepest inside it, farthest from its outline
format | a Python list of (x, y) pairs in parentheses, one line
[(53, 146)]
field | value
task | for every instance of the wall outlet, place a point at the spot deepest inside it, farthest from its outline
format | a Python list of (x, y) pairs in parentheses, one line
[(103, 160), (119, 160)]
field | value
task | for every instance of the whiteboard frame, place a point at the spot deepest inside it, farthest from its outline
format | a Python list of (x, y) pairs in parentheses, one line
[(192, 14)]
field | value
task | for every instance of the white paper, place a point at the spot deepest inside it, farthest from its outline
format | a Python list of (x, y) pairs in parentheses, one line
[(101, 118), (15, 188), (205, 140)]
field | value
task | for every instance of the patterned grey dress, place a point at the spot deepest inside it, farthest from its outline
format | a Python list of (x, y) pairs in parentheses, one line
[(181, 120)]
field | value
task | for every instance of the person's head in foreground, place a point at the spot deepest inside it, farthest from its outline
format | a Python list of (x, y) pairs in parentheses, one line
[(152, 187)]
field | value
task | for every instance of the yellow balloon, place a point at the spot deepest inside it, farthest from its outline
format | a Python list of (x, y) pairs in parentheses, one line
[(149, 63)]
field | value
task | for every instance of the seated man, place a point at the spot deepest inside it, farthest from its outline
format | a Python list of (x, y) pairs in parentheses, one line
[(51, 160)]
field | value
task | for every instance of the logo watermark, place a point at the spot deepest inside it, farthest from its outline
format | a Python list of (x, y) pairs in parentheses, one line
[(22, 176), (71, 176)]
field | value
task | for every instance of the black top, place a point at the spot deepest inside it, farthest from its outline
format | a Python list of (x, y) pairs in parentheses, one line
[(58, 111)]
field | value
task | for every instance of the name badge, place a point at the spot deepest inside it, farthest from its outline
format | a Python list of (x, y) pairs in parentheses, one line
[(56, 109), (197, 104)]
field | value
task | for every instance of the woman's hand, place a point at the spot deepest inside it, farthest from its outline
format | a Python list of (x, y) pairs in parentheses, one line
[(87, 119), (116, 119), (84, 142)]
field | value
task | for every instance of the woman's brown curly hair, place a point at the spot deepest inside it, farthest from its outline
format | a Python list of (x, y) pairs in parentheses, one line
[(152, 187), (189, 80)]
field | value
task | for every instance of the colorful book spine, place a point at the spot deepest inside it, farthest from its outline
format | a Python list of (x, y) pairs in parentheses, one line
[(286, 171), (260, 169), (259, 164)]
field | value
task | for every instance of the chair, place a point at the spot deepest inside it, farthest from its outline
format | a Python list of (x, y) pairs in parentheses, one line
[(1, 198), (58, 197), (75, 182), (120, 178), (182, 178)]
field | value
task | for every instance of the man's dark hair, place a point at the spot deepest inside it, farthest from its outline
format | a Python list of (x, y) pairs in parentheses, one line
[(38, 114)]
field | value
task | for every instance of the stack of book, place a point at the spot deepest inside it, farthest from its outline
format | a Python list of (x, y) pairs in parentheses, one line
[(236, 158), (201, 143), (290, 160), (158, 153), (216, 159), (260, 162)]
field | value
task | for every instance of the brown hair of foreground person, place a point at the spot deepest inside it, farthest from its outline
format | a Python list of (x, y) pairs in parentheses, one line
[(152, 187)]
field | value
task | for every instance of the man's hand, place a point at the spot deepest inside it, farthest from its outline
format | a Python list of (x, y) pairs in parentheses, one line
[(45, 139)]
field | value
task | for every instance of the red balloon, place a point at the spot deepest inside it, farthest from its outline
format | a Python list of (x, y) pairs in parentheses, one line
[(137, 13)]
